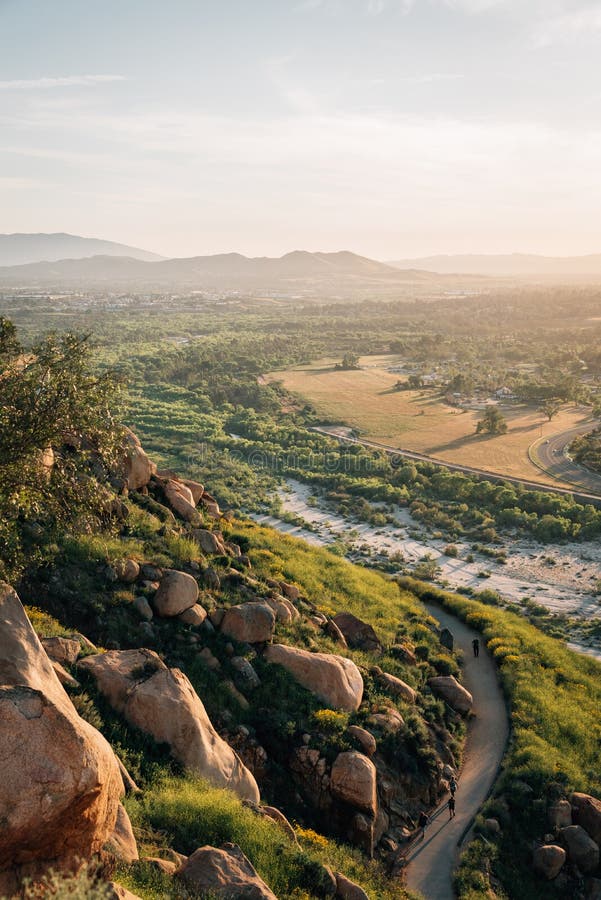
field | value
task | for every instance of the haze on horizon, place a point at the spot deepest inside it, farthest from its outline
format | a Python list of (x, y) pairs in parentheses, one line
[(393, 128)]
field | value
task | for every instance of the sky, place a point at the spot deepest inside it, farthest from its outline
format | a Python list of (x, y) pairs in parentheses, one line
[(393, 128)]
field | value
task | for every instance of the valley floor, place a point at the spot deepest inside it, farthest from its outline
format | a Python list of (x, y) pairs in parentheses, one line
[(561, 578)]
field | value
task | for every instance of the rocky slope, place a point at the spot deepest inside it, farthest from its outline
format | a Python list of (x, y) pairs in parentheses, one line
[(234, 676)]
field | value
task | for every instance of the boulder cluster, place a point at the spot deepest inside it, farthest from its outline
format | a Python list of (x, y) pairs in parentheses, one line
[(571, 849)]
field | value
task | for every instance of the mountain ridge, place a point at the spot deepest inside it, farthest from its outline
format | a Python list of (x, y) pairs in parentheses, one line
[(219, 271), (20, 248), (505, 264)]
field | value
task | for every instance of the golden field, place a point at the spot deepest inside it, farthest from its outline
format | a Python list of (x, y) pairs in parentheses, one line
[(365, 399)]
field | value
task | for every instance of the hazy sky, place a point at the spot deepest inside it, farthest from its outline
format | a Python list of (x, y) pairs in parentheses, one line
[(389, 127)]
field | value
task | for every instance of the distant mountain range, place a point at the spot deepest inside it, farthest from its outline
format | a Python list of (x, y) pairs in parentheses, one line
[(513, 264), (20, 249), (228, 271)]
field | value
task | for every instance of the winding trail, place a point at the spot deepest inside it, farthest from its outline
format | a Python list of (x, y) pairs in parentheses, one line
[(432, 861)]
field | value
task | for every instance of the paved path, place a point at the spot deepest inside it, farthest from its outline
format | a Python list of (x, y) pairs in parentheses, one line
[(431, 862), (550, 455)]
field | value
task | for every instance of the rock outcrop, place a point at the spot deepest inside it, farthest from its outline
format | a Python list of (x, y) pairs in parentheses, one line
[(336, 680), (163, 703), (395, 685), (224, 872), (60, 785), (453, 693)]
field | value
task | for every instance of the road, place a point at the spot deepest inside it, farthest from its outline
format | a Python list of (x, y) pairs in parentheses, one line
[(583, 495), (551, 456), (431, 862)]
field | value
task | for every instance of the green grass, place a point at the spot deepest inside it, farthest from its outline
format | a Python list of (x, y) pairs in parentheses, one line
[(188, 813), (332, 583), (554, 697)]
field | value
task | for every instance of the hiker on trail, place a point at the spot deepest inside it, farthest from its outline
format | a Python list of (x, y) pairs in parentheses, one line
[(476, 647), (452, 786), (451, 807), (422, 822)]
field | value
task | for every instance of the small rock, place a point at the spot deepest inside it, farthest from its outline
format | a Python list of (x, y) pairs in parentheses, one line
[(348, 890), (246, 672), (166, 866), (62, 650), (364, 738), (143, 608), (225, 872), (127, 570), (194, 616)]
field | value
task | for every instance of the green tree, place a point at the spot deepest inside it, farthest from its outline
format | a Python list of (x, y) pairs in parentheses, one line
[(57, 434), (492, 422), (550, 408), (350, 361)]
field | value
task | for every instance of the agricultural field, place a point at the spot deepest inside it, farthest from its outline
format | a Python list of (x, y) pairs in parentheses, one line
[(420, 420)]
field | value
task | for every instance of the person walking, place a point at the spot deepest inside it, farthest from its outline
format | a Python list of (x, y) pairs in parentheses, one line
[(476, 647), (423, 822), (452, 786), (451, 807)]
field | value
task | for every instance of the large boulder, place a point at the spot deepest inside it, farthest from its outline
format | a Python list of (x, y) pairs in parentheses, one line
[(587, 812), (548, 860), (250, 623), (162, 702), (60, 784), (181, 500), (582, 849), (138, 468), (358, 634), (224, 872), (353, 779), (453, 693), (336, 680), (208, 541), (177, 592)]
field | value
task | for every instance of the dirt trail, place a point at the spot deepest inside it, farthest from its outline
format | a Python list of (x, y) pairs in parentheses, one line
[(431, 862)]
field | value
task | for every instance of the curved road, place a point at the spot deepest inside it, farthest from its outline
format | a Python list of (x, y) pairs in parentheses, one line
[(432, 861), (551, 456), (590, 494)]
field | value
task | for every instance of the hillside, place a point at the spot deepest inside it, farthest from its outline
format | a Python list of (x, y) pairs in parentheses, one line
[(228, 271), (507, 265), (23, 249)]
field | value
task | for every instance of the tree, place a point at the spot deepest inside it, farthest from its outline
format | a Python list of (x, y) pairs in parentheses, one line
[(57, 433), (349, 361), (550, 408), (493, 422)]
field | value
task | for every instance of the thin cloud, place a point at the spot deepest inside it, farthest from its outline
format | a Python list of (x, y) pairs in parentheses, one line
[(581, 23), (34, 84)]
